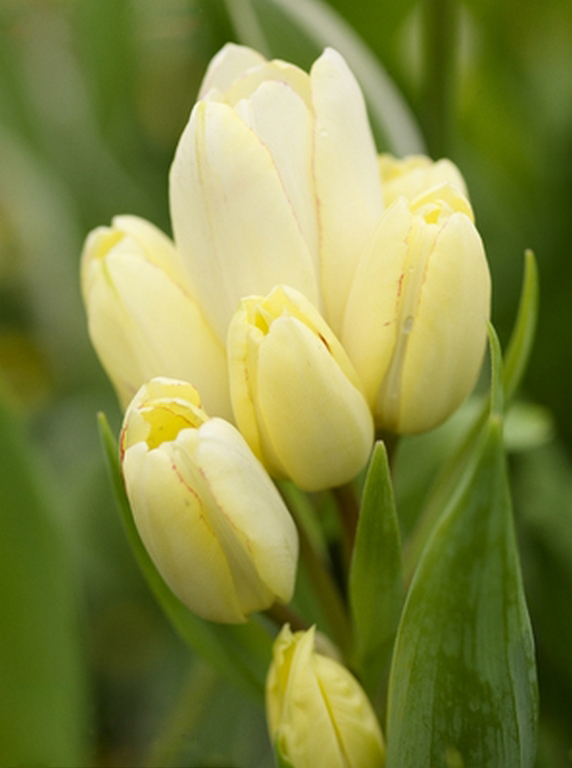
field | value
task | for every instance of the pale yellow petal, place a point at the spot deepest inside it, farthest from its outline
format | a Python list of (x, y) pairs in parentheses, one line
[(370, 325), (347, 180), (452, 314), (282, 121), (175, 529), (255, 526), (143, 322), (230, 63), (232, 220)]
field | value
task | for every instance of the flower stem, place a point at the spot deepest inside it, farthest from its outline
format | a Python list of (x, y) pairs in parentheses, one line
[(438, 78), (283, 614)]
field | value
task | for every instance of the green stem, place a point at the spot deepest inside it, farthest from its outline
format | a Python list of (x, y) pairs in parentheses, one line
[(283, 614), (348, 506), (438, 78), (185, 715)]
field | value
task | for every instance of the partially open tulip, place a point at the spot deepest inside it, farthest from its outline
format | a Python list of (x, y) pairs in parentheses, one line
[(275, 181), (296, 396), (143, 319), (207, 512), (318, 715), (415, 325), (416, 174)]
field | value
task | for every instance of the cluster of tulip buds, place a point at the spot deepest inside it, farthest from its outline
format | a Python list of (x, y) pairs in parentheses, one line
[(314, 292)]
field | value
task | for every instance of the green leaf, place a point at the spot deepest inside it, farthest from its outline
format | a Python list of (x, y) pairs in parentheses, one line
[(522, 338), (375, 580), (43, 701), (310, 24), (463, 681), (241, 652)]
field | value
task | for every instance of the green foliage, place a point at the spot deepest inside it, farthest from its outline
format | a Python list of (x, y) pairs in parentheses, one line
[(43, 682), (375, 580), (463, 681)]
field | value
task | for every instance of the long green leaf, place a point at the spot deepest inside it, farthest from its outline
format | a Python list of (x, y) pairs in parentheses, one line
[(375, 581), (463, 682), (43, 701), (242, 653)]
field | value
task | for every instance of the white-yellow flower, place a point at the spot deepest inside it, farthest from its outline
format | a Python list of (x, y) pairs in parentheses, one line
[(416, 319), (296, 397), (318, 714), (143, 318), (207, 512), (275, 181)]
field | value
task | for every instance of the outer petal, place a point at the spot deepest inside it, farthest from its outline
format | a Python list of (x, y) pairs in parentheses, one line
[(261, 524), (348, 187), (176, 530), (230, 63), (453, 308), (296, 397), (370, 325), (284, 124), (357, 729), (300, 725), (142, 318), (232, 219)]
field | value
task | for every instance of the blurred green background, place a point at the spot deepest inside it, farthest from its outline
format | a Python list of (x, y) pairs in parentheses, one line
[(93, 97)]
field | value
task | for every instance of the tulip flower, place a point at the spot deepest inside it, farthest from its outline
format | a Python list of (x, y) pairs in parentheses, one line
[(415, 175), (142, 316), (275, 181), (415, 325), (295, 395), (318, 715), (209, 515)]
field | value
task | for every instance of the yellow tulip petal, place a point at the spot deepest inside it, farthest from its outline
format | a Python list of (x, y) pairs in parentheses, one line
[(454, 306), (284, 124), (175, 529), (263, 530), (370, 324), (347, 181), (143, 321), (230, 63), (232, 219)]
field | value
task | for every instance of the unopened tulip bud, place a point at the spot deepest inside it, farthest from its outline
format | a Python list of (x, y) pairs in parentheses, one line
[(318, 715), (415, 325), (415, 175), (295, 395), (209, 515), (143, 319)]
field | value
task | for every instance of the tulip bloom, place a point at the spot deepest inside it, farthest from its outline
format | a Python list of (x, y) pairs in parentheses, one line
[(296, 396), (207, 512), (415, 324), (316, 710), (415, 175), (142, 316), (275, 181)]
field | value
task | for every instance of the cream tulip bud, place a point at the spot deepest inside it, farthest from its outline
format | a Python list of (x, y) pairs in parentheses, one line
[(142, 317), (415, 175), (318, 715), (416, 320), (296, 397), (210, 517)]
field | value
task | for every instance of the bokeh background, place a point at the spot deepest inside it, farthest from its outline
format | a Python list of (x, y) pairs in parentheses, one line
[(93, 97)]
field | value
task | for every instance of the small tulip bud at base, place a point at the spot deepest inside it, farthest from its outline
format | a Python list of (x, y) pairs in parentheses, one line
[(210, 517), (318, 714)]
